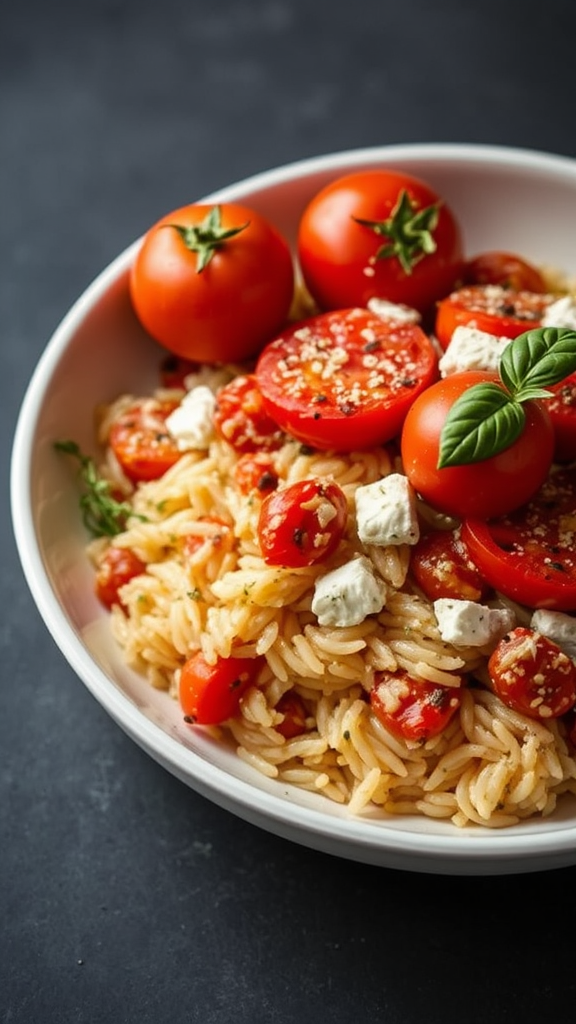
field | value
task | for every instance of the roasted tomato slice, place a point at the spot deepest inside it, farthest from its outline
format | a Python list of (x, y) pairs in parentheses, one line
[(442, 567), (413, 709), (241, 418), (345, 380), (532, 675), (118, 567), (530, 554), (491, 308)]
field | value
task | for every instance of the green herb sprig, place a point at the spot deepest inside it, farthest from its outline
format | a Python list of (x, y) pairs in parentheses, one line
[(102, 514), (489, 417)]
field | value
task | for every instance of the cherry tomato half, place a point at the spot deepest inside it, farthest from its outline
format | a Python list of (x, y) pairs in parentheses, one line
[(562, 410), (241, 418), (212, 284), (378, 233), (481, 489), (210, 694), (490, 308), (532, 675), (303, 523), (530, 554), (118, 567), (141, 442), (442, 567), (345, 380), (413, 709), (503, 268)]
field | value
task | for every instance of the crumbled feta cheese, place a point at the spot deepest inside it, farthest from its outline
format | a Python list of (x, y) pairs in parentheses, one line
[(468, 624), (386, 512), (346, 595), (191, 424), (561, 313), (396, 311), (470, 349), (557, 626)]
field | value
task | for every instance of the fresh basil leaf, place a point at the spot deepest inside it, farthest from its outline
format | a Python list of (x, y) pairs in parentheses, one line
[(482, 422), (538, 359)]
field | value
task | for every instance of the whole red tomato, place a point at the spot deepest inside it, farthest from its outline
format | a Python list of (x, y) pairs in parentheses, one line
[(491, 487), (379, 233), (213, 284)]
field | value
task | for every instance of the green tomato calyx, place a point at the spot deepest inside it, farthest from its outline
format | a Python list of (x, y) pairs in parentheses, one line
[(207, 237), (408, 230)]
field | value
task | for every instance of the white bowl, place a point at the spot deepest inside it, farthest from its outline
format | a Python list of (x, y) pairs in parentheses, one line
[(504, 198)]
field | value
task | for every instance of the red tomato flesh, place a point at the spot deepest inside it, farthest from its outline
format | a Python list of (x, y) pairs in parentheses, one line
[(210, 694), (303, 523), (141, 442), (241, 419), (491, 308), (442, 567), (530, 554), (532, 675), (345, 380), (117, 568), (413, 709), (482, 489)]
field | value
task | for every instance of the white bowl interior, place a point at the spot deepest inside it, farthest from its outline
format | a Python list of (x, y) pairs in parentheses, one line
[(508, 199)]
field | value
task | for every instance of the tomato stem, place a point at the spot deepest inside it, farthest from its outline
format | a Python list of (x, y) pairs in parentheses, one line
[(409, 232), (207, 237)]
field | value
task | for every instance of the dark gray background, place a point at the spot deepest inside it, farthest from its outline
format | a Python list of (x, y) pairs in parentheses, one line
[(126, 897)]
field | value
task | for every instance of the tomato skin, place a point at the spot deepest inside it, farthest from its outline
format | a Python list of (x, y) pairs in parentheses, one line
[(303, 523), (220, 537), (228, 311), (241, 418), (118, 567), (562, 410), (490, 308), (345, 379), (503, 268), (141, 442), (529, 554), (210, 694), (337, 255), (255, 471), (532, 675), (442, 567), (483, 489), (412, 709)]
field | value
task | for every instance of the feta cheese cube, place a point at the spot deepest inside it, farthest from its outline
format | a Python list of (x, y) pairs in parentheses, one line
[(561, 313), (386, 512), (468, 624), (557, 626), (471, 349), (192, 422), (346, 595)]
